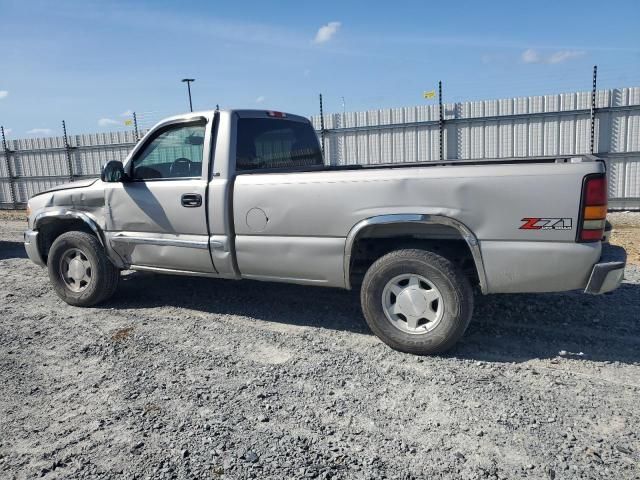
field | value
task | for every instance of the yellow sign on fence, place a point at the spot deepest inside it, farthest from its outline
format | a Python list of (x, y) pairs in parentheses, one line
[(128, 122), (429, 94)]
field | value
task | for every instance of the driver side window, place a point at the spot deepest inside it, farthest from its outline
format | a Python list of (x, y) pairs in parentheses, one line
[(176, 152)]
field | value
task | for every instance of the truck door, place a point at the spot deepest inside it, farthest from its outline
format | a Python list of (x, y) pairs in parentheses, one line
[(158, 217)]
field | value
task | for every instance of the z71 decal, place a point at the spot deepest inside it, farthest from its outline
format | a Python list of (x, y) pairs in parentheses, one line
[(531, 223)]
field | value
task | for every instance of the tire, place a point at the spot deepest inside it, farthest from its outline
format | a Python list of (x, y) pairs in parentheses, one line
[(432, 282), (82, 254)]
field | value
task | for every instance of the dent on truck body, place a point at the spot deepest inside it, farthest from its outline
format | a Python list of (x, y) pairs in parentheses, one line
[(81, 196), (147, 210), (83, 201)]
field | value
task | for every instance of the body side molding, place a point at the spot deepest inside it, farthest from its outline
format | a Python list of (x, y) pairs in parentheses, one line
[(427, 219), (159, 241)]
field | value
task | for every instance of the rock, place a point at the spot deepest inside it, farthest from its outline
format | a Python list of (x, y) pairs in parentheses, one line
[(251, 456), (594, 454), (623, 449), (137, 446), (460, 456)]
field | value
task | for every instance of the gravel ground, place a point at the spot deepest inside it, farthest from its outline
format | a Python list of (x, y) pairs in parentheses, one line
[(197, 378)]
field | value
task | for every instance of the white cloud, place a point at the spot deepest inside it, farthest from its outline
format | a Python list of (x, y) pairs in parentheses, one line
[(4, 93), (326, 32), (530, 56), (8, 131), (106, 122), (40, 131), (564, 55), (260, 99), (533, 56), (127, 113)]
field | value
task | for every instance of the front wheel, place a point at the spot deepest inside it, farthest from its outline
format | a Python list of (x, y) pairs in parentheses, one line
[(416, 301), (80, 271)]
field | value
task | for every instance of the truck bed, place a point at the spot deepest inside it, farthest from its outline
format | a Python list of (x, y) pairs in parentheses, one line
[(307, 216)]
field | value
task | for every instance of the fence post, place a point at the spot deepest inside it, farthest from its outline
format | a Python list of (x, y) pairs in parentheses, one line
[(593, 109), (322, 126), (67, 150), (12, 188), (441, 120), (135, 126)]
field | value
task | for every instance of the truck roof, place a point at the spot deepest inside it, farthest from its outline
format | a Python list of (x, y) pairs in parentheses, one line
[(241, 112)]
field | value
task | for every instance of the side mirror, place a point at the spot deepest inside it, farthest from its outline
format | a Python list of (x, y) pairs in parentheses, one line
[(113, 171)]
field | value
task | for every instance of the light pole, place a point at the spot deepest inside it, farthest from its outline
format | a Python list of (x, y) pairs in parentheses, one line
[(188, 82)]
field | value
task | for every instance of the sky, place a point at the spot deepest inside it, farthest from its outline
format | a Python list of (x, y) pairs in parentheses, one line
[(92, 62)]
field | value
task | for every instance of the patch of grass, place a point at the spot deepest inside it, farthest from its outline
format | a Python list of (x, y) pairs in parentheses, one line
[(13, 214), (629, 238)]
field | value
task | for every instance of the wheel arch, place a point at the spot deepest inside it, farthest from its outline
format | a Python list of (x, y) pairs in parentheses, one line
[(52, 215), (359, 230), (59, 221)]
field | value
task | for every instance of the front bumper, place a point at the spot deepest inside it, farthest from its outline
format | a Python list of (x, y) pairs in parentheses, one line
[(31, 246), (608, 273)]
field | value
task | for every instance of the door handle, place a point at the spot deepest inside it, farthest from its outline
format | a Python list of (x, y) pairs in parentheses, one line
[(191, 200)]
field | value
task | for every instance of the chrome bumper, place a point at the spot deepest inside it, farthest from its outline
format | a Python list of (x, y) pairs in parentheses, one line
[(31, 246), (608, 273)]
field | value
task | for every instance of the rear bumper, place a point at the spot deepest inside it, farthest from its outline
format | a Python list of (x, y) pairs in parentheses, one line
[(31, 246), (608, 273)]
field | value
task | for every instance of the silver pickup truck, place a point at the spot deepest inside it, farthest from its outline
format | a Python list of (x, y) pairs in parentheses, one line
[(246, 194)]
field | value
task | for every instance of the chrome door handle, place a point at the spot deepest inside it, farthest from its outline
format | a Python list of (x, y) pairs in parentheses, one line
[(191, 200)]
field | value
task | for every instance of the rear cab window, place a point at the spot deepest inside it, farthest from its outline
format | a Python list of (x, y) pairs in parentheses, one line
[(268, 143)]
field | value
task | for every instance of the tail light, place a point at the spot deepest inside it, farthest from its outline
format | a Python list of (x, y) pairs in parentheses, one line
[(593, 208)]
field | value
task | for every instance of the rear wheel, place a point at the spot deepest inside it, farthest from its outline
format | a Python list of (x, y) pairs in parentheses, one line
[(416, 301), (80, 271)]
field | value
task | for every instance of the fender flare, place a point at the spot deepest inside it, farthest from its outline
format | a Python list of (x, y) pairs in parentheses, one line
[(465, 232), (88, 220), (70, 214)]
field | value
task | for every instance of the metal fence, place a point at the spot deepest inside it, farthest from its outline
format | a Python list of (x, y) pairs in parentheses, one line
[(536, 126), (29, 166)]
